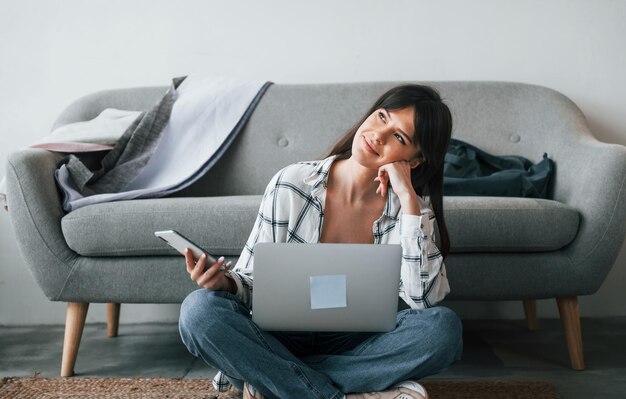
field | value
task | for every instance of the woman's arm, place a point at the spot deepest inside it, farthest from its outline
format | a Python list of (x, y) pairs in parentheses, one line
[(423, 274), (410, 204)]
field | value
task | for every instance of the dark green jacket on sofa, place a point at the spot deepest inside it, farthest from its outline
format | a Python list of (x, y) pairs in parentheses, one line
[(468, 170)]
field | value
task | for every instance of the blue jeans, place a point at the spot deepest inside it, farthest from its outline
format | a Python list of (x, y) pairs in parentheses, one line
[(217, 327)]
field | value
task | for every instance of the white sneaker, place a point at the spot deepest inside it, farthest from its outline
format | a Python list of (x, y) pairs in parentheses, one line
[(405, 390), (413, 386), (250, 393)]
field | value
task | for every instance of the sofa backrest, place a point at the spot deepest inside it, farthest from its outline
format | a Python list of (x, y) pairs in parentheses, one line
[(299, 122)]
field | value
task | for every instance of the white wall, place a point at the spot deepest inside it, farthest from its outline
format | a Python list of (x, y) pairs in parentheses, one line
[(55, 51)]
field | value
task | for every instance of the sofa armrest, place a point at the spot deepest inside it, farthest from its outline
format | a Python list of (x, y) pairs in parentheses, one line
[(35, 212), (590, 176), (91, 105)]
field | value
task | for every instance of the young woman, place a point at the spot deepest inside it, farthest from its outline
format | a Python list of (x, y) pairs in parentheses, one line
[(370, 188)]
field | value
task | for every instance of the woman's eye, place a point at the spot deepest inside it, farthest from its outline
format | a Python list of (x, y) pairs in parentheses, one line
[(400, 138), (382, 116)]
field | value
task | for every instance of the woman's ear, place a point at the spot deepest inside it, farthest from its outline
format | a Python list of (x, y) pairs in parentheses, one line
[(416, 162), (419, 159)]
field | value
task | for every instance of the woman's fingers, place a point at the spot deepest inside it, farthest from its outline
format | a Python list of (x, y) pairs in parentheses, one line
[(189, 260), (211, 277), (198, 268), (210, 272), (206, 278), (382, 179), (214, 281), (382, 188)]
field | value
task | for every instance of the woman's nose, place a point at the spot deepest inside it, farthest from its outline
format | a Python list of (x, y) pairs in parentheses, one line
[(381, 135)]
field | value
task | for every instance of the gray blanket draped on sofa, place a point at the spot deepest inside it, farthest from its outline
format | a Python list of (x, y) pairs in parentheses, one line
[(139, 166)]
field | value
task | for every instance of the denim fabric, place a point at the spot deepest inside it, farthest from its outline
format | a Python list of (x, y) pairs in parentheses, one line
[(217, 327)]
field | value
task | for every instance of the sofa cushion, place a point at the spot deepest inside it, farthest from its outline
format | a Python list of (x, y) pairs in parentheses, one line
[(221, 225), (508, 224)]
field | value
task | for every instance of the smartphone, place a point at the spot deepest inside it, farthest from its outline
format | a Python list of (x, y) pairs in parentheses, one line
[(180, 242)]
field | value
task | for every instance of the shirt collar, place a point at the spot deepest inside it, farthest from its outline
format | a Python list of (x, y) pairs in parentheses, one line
[(319, 177)]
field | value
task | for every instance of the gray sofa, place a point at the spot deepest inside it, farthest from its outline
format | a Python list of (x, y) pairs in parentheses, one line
[(503, 248)]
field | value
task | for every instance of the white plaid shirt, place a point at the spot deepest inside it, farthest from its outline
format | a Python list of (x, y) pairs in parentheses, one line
[(292, 210)]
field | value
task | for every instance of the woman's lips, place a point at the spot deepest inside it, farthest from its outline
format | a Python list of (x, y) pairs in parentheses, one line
[(367, 146)]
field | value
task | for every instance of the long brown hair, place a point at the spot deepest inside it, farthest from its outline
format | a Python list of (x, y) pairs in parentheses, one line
[(433, 130)]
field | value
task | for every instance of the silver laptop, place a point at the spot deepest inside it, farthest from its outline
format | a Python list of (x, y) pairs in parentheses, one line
[(326, 287)]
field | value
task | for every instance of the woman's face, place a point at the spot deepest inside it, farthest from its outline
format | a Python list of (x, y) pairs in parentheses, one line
[(386, 137)]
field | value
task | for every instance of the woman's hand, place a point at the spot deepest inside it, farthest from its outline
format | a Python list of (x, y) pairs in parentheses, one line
[(398, 174), (212, 278)]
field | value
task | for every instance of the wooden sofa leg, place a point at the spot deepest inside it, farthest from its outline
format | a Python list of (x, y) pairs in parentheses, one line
[(74, 324), (113, 319), (570, 317), (530, 310)]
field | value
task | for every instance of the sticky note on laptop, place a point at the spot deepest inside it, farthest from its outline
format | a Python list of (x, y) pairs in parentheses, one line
[(328, 291)]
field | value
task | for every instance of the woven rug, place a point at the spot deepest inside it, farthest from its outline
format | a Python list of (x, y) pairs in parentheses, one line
[(171, 388)]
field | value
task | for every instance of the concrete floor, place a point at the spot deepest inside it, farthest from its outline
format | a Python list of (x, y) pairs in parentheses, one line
[(493, 350)]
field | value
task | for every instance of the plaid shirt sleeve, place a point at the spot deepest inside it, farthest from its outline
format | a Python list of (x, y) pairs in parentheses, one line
[(423, 273)]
